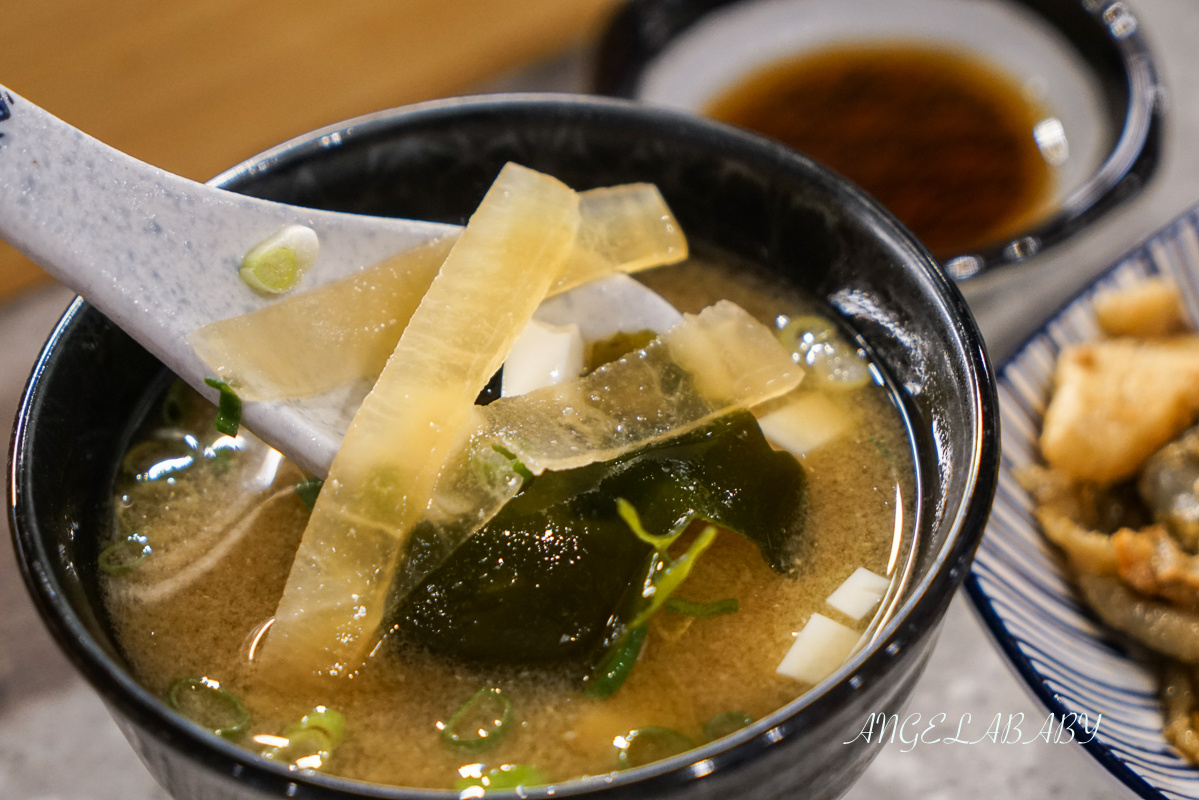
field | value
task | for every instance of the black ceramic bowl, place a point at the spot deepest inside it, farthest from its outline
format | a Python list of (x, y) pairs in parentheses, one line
[(728, 189)]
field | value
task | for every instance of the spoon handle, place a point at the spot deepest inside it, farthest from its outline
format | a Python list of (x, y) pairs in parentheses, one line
[(156, 253)]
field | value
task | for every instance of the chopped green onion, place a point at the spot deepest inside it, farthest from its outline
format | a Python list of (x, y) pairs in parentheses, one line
[(517, 467), (165, 453), (665, 576), (275, 270), (204, 702), (633, 520), (726, 723), (228, 416), (310, 741), (125, 555), (507, 776), (671, 576), (308, 491), (800, 333), (480, 722), (833, 363), (276, 263), (497, 469), (646, 745), (676, 605), (306, 748), (326, 719), (614, 668)]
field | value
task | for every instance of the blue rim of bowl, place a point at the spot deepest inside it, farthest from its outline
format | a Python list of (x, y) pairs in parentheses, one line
[(1100, 29), (1143, 260), (910, 622)]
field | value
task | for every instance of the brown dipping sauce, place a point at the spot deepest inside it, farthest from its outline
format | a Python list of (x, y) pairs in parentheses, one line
[(944, 141)]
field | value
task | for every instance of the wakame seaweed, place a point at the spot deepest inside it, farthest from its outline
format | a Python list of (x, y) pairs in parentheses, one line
[(541, 581)]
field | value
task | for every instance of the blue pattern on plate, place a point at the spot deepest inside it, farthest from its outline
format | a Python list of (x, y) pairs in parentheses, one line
[(1072, 663)]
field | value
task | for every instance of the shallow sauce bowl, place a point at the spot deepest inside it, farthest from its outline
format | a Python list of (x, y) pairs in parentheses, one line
[(730, 191), (1086, 63)]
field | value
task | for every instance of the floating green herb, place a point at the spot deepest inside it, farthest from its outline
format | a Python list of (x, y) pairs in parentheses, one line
[(676, 605), (672, 574), (517, 467), (616, 665), (163, 455), (228, 417), (660, 543), (310, 741), (328, 720), (204, 702), (726, 723), (306, 748), (832, 361), (507, 776), (125, 555), (480, 722), (646, 745), (663, 576), (308, 490)]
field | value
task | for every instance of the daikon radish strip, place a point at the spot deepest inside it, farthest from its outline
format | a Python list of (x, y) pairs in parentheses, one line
[(624, 228), (819, 649), (345, 331), (382, 478), (648, 396), (711, 363), (312, 342)]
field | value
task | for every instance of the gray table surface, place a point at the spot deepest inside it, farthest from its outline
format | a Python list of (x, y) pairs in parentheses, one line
[(58, 743)]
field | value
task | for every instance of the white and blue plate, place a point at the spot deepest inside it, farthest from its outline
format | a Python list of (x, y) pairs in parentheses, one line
[(1074, 665)]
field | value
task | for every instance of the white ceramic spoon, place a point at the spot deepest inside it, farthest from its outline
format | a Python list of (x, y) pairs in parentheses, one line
[(159, 254)]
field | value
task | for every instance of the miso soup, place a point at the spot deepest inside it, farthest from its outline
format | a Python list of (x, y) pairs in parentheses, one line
[(206, 525)]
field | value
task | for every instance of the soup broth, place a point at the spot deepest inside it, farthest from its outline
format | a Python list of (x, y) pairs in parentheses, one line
[(221, 521)]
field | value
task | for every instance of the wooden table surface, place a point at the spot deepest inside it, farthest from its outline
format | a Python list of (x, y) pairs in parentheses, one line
[(197, 86)]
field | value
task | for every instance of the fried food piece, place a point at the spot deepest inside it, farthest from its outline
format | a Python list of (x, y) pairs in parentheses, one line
[(1169, 485), (1104, 509), (1151, 562), (1149, 308), (1159, 626), (1118, 401), (1179, 708), (1087, 551)]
